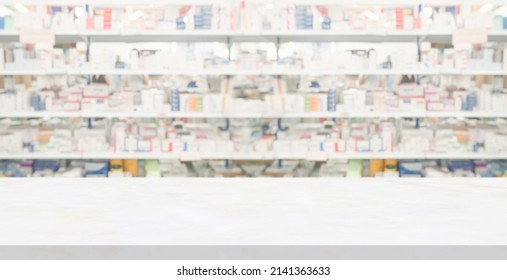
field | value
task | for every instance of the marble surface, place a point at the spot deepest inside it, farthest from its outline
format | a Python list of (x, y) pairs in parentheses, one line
[(253, 211)]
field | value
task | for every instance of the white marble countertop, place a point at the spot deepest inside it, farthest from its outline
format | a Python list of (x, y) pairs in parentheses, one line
[(243, 211)]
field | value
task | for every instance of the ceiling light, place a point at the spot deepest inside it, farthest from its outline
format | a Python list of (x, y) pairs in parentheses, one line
[(138, 14), (4, 11), (371, 15), (502, 11), (485, 8), (428, 11), (21, 8), (78, 11), (269, 6)]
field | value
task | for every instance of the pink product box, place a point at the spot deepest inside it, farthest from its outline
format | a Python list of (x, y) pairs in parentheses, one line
[(351, 145), (171, 146), (115, 104), (94, 104), (392, 104), (329, 146), (449, 104), (340, 146), (433, 96), (418, 104), (412, 104), (74, 96), (435, 106), (56, 104), (71, 106)]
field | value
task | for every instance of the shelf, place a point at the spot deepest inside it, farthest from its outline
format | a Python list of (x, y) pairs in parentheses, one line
[(40, 114), (41, 155), (112, 155), (236, 72), (149, 115), (122, 3), (217, 72), (465, 155), (254, 36), (459, 72), (346, 115), (466, 114), (49, 72), (255, 72), (193, 156), (338, 115), (402, 155), (239, 156)]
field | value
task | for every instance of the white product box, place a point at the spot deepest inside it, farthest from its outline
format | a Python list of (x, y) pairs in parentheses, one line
[(130, 144), (299, 146), (96, 91), (410, 91), (143, 146), (191, 146), (262, 146), (11, 142), (362, 146), (282, 146), (7, 102), (387, 141), (315, 146), (206, 145), (376, 143), (351, 145), (225, 146), (2, 58)]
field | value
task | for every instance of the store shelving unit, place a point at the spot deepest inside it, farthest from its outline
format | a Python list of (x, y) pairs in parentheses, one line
[(437, 36), (341, 115), (268, 72), (47, 156), (275, 72), (276, 37), (40, 114), (251, 156), (48, 72)]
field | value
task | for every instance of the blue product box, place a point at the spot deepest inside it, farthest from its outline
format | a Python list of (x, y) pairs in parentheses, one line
[(331, 100), (52, 165), (102, 170), (175, 100), (180, 23), (326, 23), (410, 168), (466, 165)]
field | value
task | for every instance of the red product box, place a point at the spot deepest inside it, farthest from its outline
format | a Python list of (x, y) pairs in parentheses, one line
[(107, 18), (399, 18)]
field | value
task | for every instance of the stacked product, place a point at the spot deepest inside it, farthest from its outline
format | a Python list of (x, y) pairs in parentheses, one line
[(162, 137)]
